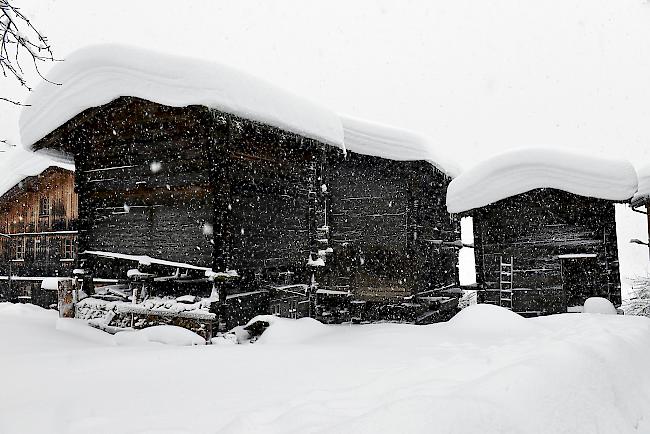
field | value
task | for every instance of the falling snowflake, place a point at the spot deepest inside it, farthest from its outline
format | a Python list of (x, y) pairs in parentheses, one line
[(155, 166)]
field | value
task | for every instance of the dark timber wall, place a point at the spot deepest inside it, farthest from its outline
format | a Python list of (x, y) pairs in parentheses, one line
[(535, 228), (389, 228), (199, 186)]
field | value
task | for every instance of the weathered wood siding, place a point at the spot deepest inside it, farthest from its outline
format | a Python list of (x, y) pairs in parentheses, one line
[(271, 200), (40, 214), (270, 176), (388, 227), (142, 174), (535, 228)]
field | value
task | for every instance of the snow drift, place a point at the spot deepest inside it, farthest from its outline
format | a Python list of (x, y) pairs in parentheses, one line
[(162, 334), (522, 170), (568, 373)]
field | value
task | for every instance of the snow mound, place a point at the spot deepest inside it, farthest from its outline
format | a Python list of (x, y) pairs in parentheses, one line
[(98, 74), (369, 138), (522, 170), (599, 305), (80, 329), (289, 331), (19, 309), (162, 334), (16, 165), (488, 319)]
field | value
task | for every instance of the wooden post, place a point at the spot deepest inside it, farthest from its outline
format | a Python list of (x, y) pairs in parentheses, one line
[(66, 299)]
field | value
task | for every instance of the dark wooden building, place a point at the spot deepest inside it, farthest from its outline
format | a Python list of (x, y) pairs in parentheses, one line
[(267, 210), (395, 246), (544, 250), (38, 218)]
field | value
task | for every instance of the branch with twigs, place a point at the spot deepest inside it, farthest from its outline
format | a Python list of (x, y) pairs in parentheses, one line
[(19, 39)]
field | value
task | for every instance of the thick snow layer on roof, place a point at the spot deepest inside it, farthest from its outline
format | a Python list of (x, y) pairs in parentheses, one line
[(369, 138), (643, 190), (522, 170), (98, 74), (16, 165)]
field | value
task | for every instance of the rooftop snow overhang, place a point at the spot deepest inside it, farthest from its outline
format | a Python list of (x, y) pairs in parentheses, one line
[(19, 168), (642, 195), (516, 172), (369, 138), (98, 74), (95, 76)]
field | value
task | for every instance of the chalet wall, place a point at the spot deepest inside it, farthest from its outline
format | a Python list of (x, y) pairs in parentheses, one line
[(535, 228), (40, 214)]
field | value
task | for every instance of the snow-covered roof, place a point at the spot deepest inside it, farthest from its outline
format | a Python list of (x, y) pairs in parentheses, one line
[(98, 74), (522, 170), (643, 191), (16, 165), (369, 138)]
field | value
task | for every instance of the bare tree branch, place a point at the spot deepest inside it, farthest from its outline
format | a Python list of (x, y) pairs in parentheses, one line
[(18, 38)]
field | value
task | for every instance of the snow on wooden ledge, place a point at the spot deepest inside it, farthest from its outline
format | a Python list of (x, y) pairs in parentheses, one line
[(98, 74), (522, 170)]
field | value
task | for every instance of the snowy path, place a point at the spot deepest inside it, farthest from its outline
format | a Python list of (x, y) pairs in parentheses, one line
[(486, 371)]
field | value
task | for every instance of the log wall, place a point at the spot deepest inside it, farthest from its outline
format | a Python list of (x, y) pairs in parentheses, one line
[(535, 228)]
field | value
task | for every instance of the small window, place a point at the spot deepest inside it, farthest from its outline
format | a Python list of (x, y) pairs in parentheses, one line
[(45, 206), (18, 249), (68, 248)]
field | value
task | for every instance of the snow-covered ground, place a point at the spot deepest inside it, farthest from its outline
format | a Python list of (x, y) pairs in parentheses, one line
[(488, 370)]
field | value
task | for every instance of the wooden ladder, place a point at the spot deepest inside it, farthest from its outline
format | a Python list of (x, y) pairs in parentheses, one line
[(505, 283)]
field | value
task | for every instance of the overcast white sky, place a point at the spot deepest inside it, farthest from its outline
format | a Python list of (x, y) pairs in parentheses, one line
[(475, 77)]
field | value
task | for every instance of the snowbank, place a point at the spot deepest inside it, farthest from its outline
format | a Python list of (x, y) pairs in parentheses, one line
[(570, 373), (288, 331), (522, 170), (16, 165), (98, 74), (490, 320), (19, 309), (369, 138), (162, 334)]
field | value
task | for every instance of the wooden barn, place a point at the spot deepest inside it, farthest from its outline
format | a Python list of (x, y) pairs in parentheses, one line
[(544, 227), (217, 185), (38, 217)]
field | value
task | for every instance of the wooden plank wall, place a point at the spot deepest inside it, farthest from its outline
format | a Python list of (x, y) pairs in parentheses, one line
[(41, 233), (388, 223), (143, 170), (536, 227), (271, 194)]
